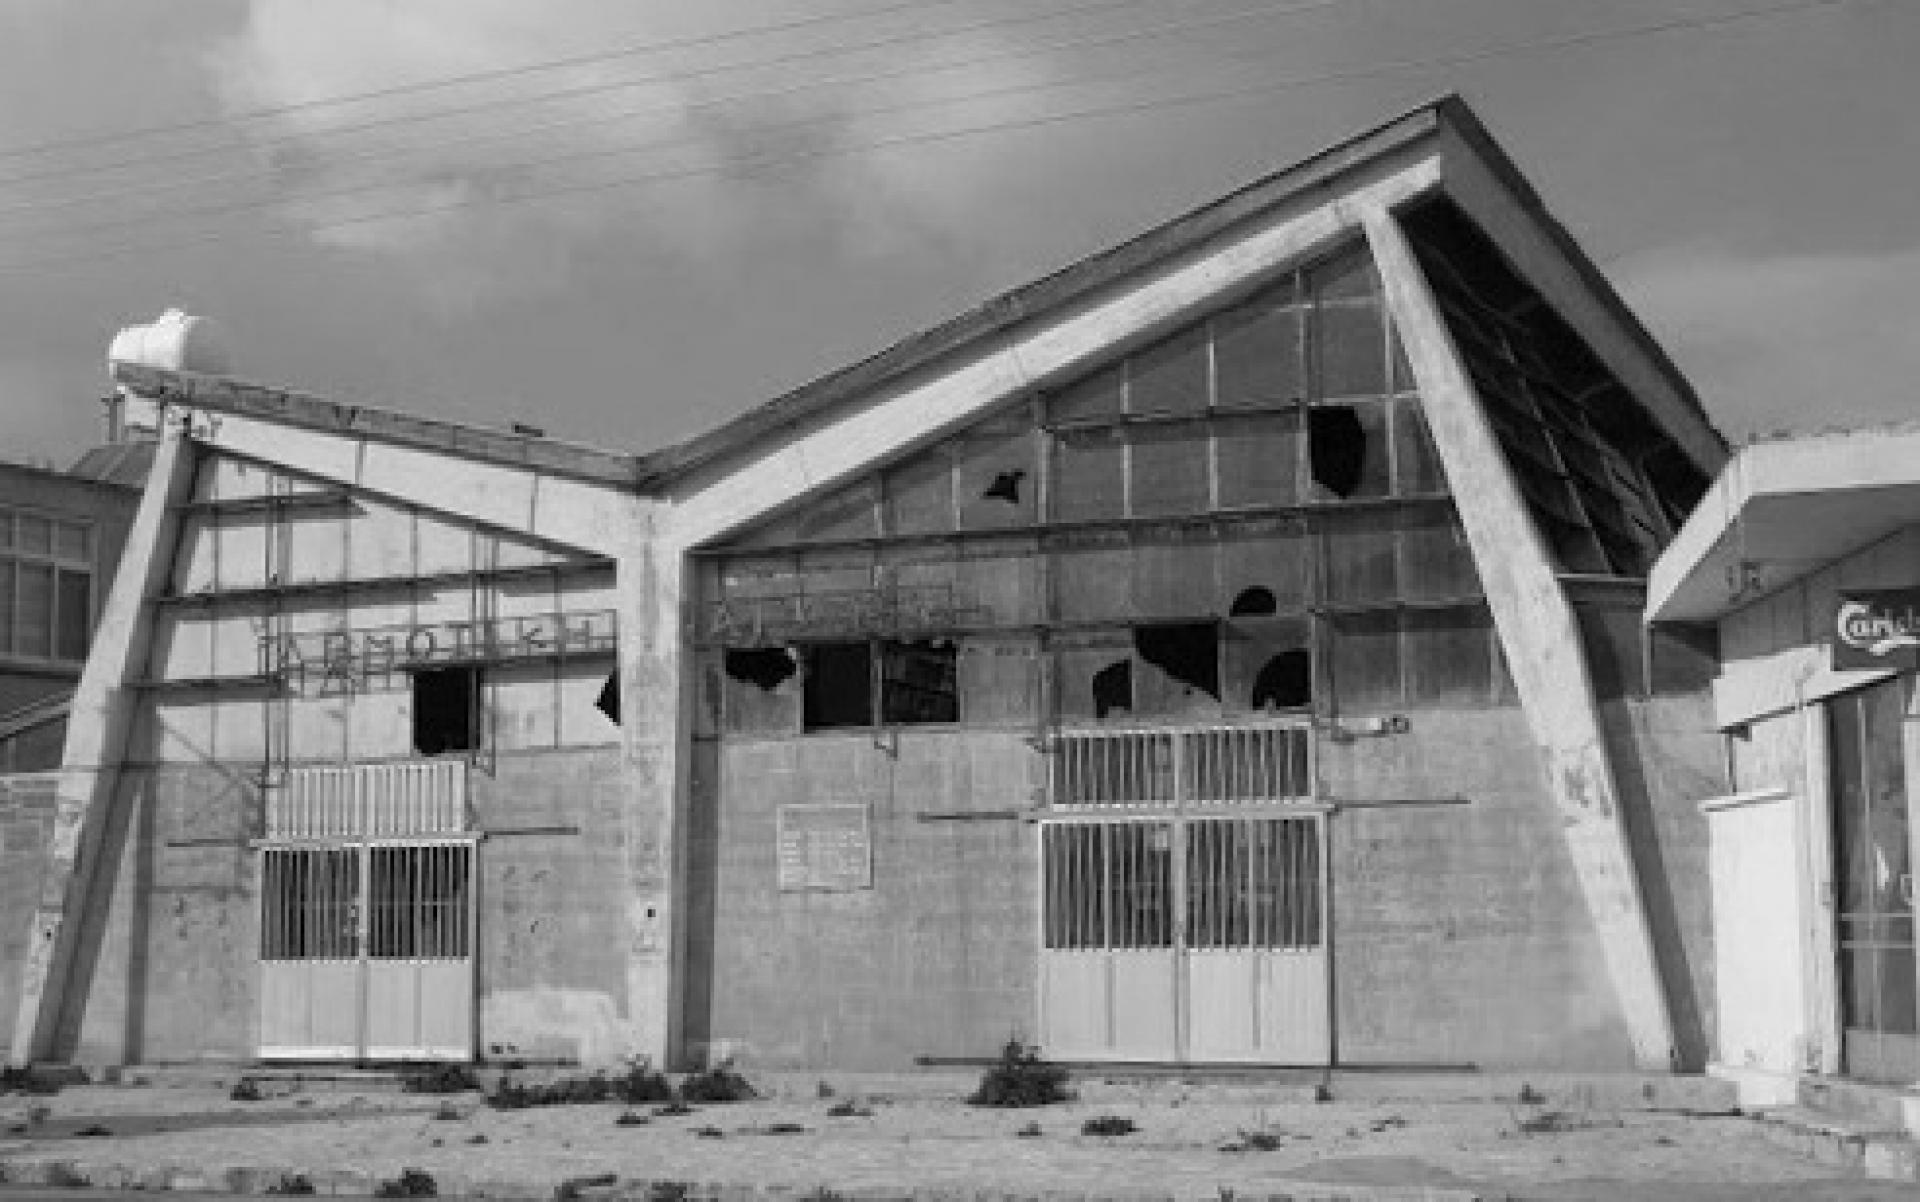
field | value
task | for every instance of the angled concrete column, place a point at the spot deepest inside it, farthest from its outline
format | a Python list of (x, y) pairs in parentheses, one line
[(78, 873), (1541, 637), (653, 731)]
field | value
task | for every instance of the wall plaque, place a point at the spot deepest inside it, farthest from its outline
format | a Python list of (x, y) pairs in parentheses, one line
[(825, 847)]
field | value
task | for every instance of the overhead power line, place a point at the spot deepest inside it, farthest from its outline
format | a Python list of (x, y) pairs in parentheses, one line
[(604, 152), (573, 92), (738, 167)]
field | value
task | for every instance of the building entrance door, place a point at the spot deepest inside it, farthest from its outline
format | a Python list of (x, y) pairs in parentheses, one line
[(1182, 900), (366, 951), (1873, 874)]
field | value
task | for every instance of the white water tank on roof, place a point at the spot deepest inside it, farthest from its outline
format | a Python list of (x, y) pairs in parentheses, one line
[(174, 341)]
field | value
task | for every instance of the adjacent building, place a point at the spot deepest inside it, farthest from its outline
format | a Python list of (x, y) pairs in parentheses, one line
[(1225, 650)]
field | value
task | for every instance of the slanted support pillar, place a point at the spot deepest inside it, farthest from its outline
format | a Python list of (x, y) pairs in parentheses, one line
[(654, 765), (1541, 638), (78, 877)]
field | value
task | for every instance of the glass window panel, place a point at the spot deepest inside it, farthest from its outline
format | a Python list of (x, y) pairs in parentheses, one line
[(1262, 561), (1169, 465), (1449, 654), (919, 682), (1360, 558), (6, 529), (33, 534), (70, 540), (1436, 563), (997, 582), (1347, 452), (999, 484), (850, 513), (7, 632), (33, 630), (923, 578), (1258, 458), (1347, 274), (1000, 681), (920, 494), (1266, 664), (73, 615), (1088, 482), (1092, 574), (1173, 571), (1097, 396), (1403, 377), (1350, 350), (1366, 659), (1170, 376), (1416, 461), (1093, 675), (1257, 354), (760, 690)]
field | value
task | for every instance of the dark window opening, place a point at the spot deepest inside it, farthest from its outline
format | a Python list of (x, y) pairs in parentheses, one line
[(1285, 681), (838, 688), (1253, 602), (446, 710), (766, 667), (1188, 652), (919, 682), (608, 702), (1005, 487), (1113, 688), (1337, 448)]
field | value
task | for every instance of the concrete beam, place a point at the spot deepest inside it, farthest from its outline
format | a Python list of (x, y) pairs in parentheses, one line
[(79, 869), (1541, 637)]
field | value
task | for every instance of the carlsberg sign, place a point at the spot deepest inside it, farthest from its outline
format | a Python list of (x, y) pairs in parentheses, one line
[(1878, 629)]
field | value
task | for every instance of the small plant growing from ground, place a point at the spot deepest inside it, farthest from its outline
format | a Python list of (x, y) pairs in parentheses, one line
[(476, 1138), (672, 1110), (1021, 1078), (629, 1119), (1263, 1139), (1108, 1125), (448, 1113), (709, 1133), (640, 1085), (783, 1129), (292, 1184), (848, 1109), (65, 1176), (246, 1089), (571, 1187), (1529, 1096), (1030, 1131), (821, 1193), (93, 1131), (1323, 1092), (668, 1191), (441, 1078), (718, 1084), (22, 1079), (411, 1183)]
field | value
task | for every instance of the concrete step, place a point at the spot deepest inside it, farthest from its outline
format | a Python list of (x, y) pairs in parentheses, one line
[(1862, 1144), (1862, 1100)]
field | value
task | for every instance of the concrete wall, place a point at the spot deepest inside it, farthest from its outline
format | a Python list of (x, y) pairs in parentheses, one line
[(26, 823), (1753, 850), (937, 958)]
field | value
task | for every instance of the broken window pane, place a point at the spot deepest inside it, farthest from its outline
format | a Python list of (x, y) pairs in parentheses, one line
[(1093, 675), (1348, 450), (1097, 396), (1177, 668), (1361, 559), (1170, 376), (1257, 354), (1449, 655), (1092, 575), (998, 482), (1416, 461), (1350, 350), (1271, 554), (837, 685), (920, 494), (1258, 458), (1000, 680), (1436, 564), (919, 682), (1267, 663), (1087, 479), (760, 690), (1173, 570), (446, 710), (1169, 465), (1366, 660)]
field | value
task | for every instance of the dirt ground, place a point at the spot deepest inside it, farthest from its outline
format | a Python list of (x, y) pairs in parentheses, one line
[(1188, 1142)]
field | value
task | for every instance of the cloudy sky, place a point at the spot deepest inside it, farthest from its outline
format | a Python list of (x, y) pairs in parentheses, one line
[(625, 222)]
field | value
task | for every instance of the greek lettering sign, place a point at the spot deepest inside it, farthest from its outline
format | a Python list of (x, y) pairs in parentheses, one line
[(1877, 629), (825, 847), (365, 658), (848, 612)]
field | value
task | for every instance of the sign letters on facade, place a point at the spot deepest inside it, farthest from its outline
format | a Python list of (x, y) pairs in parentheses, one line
[(366, 658), (1877, 629)]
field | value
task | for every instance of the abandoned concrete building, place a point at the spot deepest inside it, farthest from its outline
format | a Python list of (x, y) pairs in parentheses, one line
[(1227, 649)]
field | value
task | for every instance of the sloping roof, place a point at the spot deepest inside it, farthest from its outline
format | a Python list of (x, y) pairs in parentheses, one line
[(1184, 233), (123, 463)]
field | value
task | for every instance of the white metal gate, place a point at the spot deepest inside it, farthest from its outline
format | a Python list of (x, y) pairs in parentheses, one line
[(367, 939), (1183, 878)]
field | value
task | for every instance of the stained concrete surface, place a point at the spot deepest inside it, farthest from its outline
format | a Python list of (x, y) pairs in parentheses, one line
[(1376, 1138)]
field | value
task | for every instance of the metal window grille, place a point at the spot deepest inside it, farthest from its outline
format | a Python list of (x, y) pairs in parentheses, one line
[(1253, 883), (339, 903), (1200, 766), (310, 904), (369, 801)]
